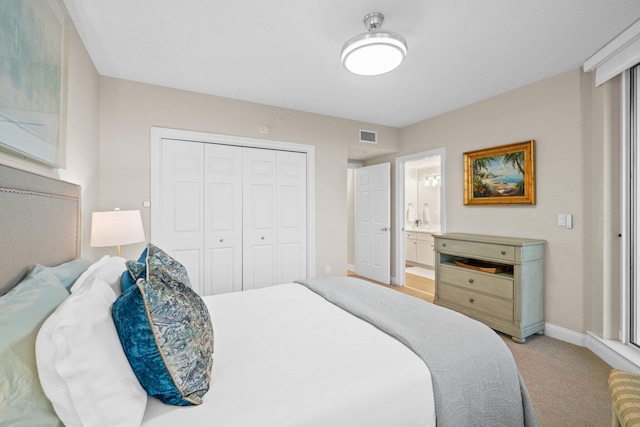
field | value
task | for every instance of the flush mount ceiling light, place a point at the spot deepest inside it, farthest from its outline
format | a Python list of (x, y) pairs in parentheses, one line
[(374, 52)]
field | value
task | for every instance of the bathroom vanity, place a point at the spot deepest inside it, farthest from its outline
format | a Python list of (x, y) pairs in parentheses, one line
[(496, 280), (419, 247)]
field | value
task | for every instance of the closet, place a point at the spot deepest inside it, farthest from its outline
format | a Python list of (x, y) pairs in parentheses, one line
[(234, 216)]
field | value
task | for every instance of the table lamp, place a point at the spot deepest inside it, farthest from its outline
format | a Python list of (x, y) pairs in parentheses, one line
[(115, 228)]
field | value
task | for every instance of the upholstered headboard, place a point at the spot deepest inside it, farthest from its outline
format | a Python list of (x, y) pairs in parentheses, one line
[(39, 223)]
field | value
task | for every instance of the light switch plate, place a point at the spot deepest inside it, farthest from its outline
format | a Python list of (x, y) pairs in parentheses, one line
[(561, 219)]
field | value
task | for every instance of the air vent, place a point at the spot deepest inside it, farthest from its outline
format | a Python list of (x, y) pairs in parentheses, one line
[(368, 136)]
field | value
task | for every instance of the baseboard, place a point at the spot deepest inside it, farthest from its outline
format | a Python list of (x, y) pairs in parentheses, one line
[(616, 354), (566, 335)]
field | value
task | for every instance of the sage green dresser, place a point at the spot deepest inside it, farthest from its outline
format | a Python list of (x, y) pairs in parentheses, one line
[(510, 301)]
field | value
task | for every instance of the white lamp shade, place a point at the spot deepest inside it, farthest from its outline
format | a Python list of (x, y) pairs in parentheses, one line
[(115, 228)]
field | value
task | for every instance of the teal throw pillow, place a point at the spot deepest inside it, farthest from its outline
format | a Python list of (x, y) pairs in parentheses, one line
[(135, 270), (166, 333)]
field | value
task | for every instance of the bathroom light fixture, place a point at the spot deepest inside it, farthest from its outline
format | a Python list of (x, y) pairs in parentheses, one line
[(432, 181), (374, 52)]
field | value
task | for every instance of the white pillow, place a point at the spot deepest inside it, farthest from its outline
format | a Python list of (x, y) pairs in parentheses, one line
[(108, 269), (82, 367)]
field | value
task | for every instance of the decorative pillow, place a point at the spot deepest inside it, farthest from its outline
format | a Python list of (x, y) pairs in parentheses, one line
[(22, 312), (135, 270), (166, 332), (82, 367), (108, 269), (68, 272)]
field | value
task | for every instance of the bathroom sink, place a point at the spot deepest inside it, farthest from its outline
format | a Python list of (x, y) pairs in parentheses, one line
[(423, 229)]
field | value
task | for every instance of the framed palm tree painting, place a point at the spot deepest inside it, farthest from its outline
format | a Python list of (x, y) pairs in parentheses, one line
[(503, 175)]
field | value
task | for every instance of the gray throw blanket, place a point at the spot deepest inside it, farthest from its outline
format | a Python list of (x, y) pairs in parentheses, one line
[(475, 378)]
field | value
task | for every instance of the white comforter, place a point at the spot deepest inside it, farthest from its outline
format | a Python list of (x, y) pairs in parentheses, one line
[(284, 356)]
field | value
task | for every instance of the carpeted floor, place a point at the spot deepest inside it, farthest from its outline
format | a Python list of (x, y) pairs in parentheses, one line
[(567, 383)]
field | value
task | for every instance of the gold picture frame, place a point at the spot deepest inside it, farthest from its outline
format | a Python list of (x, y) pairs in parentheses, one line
[(503, 175)]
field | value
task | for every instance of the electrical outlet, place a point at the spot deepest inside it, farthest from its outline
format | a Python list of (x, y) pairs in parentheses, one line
[(327, 269)]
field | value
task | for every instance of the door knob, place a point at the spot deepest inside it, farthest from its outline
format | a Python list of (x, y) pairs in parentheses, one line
[(385, 229)]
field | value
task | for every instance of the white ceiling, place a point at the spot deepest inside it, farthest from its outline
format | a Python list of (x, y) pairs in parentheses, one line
[(286, 53)]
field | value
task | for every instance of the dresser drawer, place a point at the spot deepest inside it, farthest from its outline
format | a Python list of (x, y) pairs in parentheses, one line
[(488, 283), (485, 250), (483, 304)]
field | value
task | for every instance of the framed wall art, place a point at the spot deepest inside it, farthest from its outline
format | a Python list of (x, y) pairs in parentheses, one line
[(503, 175), (33, 79)]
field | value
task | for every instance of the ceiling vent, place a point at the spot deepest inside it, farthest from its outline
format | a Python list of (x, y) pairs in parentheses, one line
[(368, 136)]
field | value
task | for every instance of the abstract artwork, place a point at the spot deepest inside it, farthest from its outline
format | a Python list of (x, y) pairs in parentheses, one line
[(32, 79)]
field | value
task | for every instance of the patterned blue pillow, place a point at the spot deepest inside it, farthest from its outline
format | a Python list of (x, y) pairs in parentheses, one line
[(166, 332), (135, 270)]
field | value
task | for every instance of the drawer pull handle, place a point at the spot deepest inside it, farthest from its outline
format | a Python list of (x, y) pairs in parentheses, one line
[(221, 240), (444, 244), (470, 280), (471, 300), (503, 252)]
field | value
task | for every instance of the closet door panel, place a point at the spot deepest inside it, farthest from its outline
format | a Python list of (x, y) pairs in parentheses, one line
[(259, 218), (183, 206), (223, 219), (222, 277), (261, 272), (291, 216), (234, 216)]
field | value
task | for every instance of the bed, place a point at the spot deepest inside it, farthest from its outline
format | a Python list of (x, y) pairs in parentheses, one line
[(318, 352)]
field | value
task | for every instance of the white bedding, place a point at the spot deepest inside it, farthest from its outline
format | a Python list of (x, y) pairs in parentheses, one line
[(283, 356)]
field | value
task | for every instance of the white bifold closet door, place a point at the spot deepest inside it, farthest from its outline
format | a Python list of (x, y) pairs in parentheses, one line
[(234, 216)]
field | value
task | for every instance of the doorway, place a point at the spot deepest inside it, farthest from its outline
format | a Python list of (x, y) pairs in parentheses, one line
[(372, 222), (420, 213)]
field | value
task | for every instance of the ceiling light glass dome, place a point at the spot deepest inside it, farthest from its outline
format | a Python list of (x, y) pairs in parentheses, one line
[(374, 52)]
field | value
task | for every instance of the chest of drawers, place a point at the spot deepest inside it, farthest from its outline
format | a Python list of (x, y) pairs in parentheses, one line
[(510, 301)]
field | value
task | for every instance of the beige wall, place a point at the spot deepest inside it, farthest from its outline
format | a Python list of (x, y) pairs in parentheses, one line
[(80, 137), (562, 114), (128, 110), (576, 127)]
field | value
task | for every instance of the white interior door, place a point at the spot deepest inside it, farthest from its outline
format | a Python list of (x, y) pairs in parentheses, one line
[(259, 218), (373, 229), (223, 219), (183, 206), (291, 216), (235, 217)]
